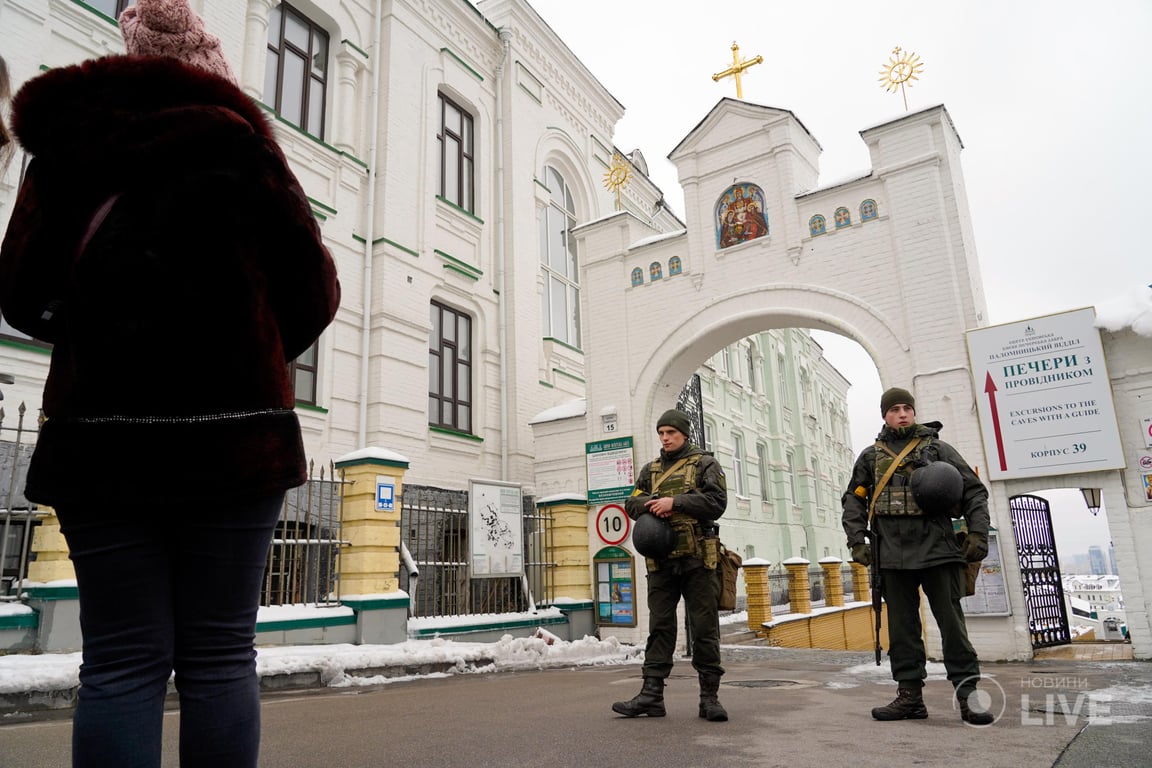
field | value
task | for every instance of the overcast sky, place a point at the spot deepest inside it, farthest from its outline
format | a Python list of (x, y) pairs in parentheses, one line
[(1049, 99)]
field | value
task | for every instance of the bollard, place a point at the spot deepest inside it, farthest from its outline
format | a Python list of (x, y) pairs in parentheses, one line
[(833, 581), (759, 595), (799, 585)]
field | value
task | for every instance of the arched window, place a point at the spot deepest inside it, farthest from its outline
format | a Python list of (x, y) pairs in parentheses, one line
[(750, 360), (843, 218), (655, 270), (738, 464), (450, 369), (637, 276), (791, 457), (674, 266), (868, 210), (561, 297), (817, 225), (762, 466), (456, 183), (296, 73)]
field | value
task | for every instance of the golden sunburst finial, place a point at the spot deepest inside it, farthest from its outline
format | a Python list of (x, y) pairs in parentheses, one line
[(617, 176), (902, 68)]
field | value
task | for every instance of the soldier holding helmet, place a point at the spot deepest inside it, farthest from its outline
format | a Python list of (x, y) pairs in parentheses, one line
[(911, 518), (683, 489)]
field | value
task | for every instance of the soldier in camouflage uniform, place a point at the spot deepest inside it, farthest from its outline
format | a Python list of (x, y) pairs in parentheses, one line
[(918, 550), (685, 486)]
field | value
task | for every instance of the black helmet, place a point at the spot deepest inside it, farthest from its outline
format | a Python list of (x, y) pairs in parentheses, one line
[(937, 488), (653, 536)]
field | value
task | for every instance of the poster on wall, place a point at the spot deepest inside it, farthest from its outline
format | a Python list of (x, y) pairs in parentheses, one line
[(991, 596), (1044, 397), (615, 588), (495, 529), (611, 472)]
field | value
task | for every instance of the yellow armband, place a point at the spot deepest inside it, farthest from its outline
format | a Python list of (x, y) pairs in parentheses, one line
[(861, 491)]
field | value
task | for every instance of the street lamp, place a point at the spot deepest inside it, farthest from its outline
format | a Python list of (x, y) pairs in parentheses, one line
[(1092, 499)]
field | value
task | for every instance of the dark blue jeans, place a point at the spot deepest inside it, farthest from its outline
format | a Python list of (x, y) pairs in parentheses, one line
[(174, 587)]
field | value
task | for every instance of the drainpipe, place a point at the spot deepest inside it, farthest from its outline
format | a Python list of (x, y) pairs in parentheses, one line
[(369, 230), (506, 40)]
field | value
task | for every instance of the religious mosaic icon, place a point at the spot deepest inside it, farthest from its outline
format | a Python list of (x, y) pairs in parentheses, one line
[(740, 215)]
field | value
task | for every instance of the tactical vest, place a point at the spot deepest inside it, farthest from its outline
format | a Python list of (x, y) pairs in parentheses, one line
[(896, 497), (687, 528)]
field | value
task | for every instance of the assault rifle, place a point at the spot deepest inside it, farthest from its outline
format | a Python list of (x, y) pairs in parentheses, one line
[(876, 586)]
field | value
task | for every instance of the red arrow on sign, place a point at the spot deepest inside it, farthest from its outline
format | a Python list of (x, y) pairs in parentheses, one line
[(990, 390)]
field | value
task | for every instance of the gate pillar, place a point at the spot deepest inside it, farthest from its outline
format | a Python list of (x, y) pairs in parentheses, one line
[(370, 564)]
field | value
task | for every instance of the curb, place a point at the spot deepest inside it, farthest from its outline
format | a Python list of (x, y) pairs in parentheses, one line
[(26, 702)]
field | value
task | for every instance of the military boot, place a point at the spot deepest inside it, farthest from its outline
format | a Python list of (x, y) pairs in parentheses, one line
[(908, 705), (973, 716), (650, 700), (710, 706)]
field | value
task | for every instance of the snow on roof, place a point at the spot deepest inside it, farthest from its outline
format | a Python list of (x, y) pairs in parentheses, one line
[(1131, 309)]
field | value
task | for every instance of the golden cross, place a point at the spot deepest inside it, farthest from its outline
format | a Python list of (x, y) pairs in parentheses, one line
[(737, 68)]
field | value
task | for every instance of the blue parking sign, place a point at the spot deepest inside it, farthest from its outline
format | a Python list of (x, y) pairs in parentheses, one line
[(385, 495)]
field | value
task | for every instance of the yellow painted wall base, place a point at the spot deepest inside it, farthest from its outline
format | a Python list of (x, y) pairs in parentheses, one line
[(850, 629)]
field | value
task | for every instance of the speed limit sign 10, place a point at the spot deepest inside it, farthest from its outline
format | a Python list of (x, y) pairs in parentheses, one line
[(613, 524)]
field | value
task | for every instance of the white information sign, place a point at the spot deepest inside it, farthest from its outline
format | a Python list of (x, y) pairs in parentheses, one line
[(991, 593), (1044, 398), (496, 532), (611, 474)]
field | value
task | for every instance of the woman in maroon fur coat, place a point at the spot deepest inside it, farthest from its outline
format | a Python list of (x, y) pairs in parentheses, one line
[(162, 245)]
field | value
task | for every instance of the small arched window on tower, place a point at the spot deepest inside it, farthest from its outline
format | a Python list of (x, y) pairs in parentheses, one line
[(674, 266), (655, 270), (817, 225), (637, 276), (868, 210), (843, 218)]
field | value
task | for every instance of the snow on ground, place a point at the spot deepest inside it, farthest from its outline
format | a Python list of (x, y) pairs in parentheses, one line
[(60, 671)]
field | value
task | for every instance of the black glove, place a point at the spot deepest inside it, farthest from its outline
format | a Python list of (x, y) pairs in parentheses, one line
[(862, 554), (975, 547)]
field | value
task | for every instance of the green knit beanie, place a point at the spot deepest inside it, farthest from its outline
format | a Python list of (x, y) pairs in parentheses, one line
[(678, 420), (896, 396)]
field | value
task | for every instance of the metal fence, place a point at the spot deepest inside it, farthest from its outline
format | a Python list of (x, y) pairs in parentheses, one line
[(434, 526), (18, 517), (304, 560)]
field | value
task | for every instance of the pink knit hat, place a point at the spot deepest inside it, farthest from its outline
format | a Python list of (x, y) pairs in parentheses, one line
[(171, 28)]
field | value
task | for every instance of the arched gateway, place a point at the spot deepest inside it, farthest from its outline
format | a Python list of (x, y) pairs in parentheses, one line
[(898, 273), (886, 258)]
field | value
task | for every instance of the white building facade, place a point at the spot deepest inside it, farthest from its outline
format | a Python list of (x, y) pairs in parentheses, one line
[(448, 150)]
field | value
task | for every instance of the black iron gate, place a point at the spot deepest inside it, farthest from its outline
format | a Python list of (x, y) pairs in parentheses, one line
[(692, 403), (1040, 571), (434, 536)]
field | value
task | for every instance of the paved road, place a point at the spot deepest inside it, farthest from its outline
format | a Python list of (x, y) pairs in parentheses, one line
[(789, 708)]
